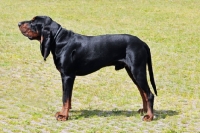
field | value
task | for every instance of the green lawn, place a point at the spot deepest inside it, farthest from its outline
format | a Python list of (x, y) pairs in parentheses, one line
[(107, 100)]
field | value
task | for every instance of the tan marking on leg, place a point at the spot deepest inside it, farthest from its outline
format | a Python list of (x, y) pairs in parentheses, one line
[(149, 116), (64, 113), (144, 100)]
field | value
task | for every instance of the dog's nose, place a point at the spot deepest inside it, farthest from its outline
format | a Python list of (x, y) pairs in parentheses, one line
[(19, 24)]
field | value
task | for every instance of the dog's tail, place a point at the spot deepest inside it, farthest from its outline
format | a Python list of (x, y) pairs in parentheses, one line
[(149, 63)]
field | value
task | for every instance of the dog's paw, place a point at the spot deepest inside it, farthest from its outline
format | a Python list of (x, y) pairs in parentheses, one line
[(147, 118), (61, 117)]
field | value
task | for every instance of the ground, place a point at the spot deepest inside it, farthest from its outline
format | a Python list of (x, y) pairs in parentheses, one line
[(107, 100)]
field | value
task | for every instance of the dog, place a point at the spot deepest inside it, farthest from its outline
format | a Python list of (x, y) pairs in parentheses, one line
[(78, 55)]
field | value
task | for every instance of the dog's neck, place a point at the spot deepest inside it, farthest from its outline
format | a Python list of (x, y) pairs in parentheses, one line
[(58, 31)]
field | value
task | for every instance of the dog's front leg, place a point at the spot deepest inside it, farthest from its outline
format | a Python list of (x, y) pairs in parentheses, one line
[(67, 82)]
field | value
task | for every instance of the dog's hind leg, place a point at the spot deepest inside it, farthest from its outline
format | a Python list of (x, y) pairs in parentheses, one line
[(147, 97), (144, 109), (138, 74)]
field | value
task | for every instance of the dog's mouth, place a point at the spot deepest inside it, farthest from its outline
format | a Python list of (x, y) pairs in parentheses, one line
[(28, 32), (25, 32)]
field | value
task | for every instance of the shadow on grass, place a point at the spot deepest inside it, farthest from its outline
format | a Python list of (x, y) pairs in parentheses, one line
[(77, 114), (162, 114)]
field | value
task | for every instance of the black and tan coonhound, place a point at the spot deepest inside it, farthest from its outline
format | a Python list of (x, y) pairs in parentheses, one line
[(78, 55)]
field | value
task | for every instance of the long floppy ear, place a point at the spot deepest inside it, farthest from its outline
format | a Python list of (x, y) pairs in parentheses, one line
[(45, 45)]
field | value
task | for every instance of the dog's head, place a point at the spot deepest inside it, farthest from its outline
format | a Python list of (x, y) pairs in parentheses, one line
[(41, 28)]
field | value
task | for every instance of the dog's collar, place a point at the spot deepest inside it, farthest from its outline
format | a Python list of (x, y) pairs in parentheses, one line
[(57, 32)]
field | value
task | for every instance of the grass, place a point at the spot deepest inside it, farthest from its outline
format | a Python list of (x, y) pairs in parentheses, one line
[(105, 101)]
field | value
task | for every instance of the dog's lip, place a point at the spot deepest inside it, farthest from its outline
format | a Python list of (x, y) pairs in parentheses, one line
[(24, 33)]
